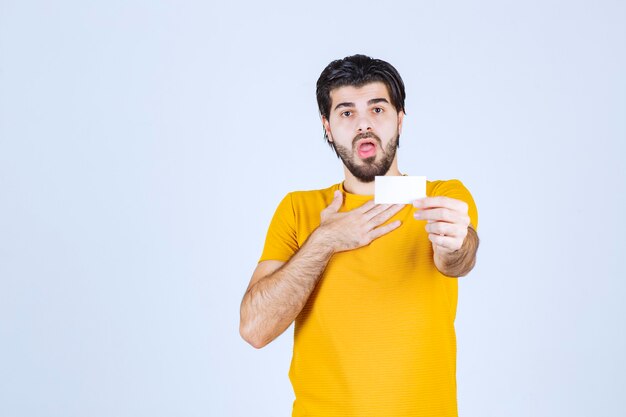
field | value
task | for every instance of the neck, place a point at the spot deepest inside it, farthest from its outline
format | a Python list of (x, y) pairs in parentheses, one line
[(354, 186)]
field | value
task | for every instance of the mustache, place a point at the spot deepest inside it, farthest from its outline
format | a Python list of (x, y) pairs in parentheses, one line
[(366, 135)]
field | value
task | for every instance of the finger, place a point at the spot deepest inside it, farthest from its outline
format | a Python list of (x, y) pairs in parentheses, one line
[(380, 208), (385, 215), (441, 201), (383, 230), (375, 210), (443, 228), (335, 205), (447, 242), (366, 207), (439, 228), (442, 214)]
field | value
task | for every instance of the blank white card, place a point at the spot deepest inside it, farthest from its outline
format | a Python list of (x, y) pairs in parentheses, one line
[(399, 189)]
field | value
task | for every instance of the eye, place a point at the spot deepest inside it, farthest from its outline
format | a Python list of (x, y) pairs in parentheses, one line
[(346, 113), (378, 109)]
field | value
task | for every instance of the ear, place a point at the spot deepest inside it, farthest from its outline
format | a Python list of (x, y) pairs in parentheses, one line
[(327, 128), (400, 119)]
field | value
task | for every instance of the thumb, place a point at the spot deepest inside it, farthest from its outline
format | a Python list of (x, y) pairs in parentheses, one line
[(336, 203)]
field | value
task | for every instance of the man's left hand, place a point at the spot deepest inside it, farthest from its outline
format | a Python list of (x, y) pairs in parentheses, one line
[(447, 221)]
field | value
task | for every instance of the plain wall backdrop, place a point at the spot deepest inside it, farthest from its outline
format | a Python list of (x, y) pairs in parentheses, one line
[(144, 146)]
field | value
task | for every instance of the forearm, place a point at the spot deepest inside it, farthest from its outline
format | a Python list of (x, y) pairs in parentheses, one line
[(459, 263), (272, 304)]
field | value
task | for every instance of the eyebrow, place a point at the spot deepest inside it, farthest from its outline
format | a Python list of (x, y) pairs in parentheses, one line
[(369, 103)]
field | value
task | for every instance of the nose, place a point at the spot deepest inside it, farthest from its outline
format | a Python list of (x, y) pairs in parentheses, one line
[(364, 124)]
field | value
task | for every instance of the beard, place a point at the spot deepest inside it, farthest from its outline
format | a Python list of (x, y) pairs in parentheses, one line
[(370, 168)]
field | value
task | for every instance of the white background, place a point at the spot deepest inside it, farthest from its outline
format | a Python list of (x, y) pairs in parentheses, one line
[(144, 146)]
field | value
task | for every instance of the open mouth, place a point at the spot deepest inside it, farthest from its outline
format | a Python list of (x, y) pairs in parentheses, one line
[(366, 148)]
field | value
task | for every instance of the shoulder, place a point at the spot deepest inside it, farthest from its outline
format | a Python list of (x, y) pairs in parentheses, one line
[(306, 205), (445, 187), (313, 197)]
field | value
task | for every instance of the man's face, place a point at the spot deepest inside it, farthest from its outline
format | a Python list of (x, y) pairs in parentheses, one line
[(364, 128)]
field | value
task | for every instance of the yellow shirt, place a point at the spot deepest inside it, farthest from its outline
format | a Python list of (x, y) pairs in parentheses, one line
[(376, 337)]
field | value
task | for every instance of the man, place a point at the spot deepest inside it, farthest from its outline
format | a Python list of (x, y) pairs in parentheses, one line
[(371, 288)]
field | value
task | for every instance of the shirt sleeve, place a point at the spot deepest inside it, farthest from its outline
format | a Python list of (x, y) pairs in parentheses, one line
[(281, 242), (455, 189)]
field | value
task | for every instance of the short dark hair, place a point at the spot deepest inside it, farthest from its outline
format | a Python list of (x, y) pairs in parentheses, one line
[(358, 70)]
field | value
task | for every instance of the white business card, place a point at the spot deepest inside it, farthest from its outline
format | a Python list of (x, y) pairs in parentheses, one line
[(399, 189)]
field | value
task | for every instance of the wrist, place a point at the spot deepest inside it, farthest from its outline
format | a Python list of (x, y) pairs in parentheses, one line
[(445, 253), (446, 261), (323, 240)]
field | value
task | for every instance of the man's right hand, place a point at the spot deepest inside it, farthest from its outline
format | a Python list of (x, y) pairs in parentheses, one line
[(278, 291), (358, 227)]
